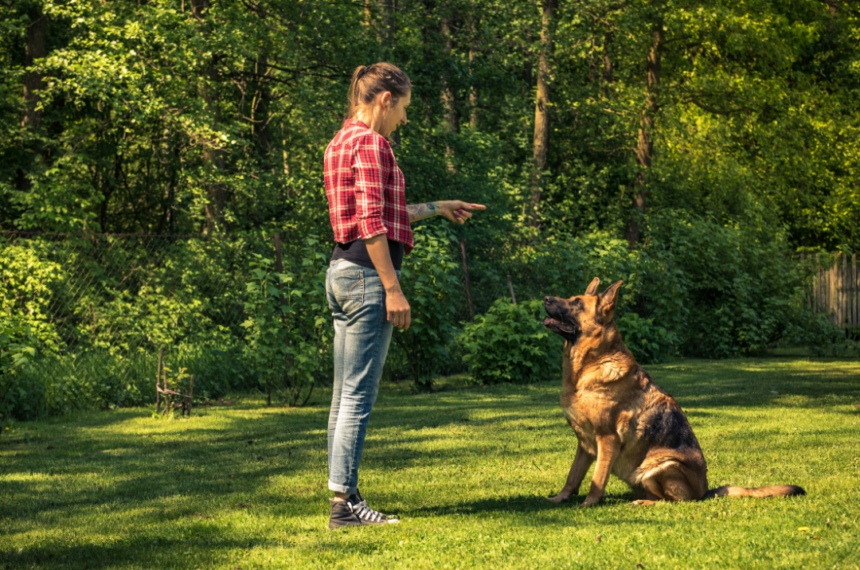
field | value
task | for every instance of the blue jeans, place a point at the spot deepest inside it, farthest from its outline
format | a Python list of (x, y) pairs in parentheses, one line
[(361, 338)]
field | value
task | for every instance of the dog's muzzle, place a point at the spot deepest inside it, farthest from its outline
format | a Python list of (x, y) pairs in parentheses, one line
[(559, 326)]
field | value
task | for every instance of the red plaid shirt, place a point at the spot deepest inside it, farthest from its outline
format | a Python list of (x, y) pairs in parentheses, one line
[(366, 190)]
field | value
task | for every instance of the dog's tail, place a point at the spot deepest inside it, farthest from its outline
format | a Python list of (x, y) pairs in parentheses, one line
[(755, 492)]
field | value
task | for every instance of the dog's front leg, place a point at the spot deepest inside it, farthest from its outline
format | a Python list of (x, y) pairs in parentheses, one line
[(607, 452), (581, 462)]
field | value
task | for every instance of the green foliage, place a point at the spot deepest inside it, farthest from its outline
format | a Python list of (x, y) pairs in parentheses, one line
[(289, 336), (651, 307), (162, 117), (27, 279), (429, 284), (647, 341), (17, 352), (821, 337), (742, 290), (510, 344)]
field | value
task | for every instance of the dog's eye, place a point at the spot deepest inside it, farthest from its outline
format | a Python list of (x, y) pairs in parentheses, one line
[(577, 303)]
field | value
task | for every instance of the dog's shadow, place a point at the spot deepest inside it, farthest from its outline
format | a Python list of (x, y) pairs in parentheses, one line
[(523, 504)]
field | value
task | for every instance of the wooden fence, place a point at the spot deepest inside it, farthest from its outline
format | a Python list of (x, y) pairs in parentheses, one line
[(836, 290)]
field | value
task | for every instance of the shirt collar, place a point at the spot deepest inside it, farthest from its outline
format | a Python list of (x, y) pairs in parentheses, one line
[(354, 122)]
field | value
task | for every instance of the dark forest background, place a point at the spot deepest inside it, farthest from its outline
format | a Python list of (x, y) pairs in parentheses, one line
[(211, 116)]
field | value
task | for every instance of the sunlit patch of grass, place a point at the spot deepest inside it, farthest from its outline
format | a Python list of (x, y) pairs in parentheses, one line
[(467, 469)]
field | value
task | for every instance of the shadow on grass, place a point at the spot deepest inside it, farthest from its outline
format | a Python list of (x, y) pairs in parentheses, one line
[(519, 505), (126, 552)]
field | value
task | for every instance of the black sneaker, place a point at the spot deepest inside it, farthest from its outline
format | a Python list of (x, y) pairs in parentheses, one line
[(355, 512)]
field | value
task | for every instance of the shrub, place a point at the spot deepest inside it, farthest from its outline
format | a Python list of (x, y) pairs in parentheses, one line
[(647, 341), (289, 335), (510, 344), (27, 278), (823, 338), (742, 290), (562, 266), (429, 284), (19, 397)]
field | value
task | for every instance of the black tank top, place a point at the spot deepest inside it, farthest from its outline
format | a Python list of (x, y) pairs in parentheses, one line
[(356, 252)]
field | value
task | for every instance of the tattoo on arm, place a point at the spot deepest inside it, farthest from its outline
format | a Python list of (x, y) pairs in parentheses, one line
[(421, 211)]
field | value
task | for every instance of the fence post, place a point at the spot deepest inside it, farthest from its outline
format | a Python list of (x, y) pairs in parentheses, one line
[(843, 293), (168, 400), (511, 287), (803, 267), (468, 289), (818, 282), (190, 394), (158, 380), (855, 292), (834, 293)]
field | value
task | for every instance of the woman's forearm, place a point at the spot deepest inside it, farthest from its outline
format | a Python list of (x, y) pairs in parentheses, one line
[(421, 211), (455, 210), (377, 248)]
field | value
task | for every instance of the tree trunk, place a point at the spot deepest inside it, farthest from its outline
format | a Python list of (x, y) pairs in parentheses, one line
[(542, 111), (260, 111), (368, 13), (606, 75), (449, 92), (213, 156), (386, 38), (473, 51), (644, 150), (527, 65), (33, 83), (430, 55)]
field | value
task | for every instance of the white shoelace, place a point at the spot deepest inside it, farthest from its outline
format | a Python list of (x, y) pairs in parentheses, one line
[(364, 512)]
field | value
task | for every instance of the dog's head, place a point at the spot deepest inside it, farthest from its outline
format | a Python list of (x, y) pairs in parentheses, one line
[(586, 314)]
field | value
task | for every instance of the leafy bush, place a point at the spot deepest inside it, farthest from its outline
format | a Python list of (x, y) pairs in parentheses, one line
[(823, 338), (742, 290), (429, 284), (562, 266), (647, 341), (27, 278), (510, 344), (289, 335), (18, 397)]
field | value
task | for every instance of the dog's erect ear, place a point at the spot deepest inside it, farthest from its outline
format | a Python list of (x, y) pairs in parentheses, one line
[(608, 299), (592, 287)]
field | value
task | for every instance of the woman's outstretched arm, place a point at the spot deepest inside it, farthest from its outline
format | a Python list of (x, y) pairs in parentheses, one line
[(455, 210)]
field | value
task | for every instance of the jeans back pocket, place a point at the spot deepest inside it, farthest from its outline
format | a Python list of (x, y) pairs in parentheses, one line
[(348, 287)]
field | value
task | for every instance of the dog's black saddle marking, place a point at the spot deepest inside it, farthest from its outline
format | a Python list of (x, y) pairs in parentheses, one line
[(667, 427)]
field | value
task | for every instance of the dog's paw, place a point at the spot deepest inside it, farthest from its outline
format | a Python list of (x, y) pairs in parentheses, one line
[(643, 503), (558, 498)]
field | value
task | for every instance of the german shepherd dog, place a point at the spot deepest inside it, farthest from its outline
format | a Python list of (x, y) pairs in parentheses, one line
[(621, 418)]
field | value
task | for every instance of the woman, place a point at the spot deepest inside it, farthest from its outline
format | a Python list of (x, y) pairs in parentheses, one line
[(371, 223)]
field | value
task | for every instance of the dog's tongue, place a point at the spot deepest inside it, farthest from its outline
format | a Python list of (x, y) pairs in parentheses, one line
[(548, 321)]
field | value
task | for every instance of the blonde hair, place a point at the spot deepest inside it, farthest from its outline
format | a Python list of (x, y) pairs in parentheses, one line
[(368, 82)]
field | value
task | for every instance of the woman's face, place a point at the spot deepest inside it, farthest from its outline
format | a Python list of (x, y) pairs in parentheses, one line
[(395, 115)]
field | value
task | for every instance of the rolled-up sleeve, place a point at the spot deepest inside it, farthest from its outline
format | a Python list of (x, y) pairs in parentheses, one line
[(371, 168)]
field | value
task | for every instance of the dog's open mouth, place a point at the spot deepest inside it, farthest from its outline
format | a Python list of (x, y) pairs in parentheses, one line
[(559, 326)]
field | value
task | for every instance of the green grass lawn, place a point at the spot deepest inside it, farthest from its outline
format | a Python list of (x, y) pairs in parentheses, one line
[(242, 486)]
